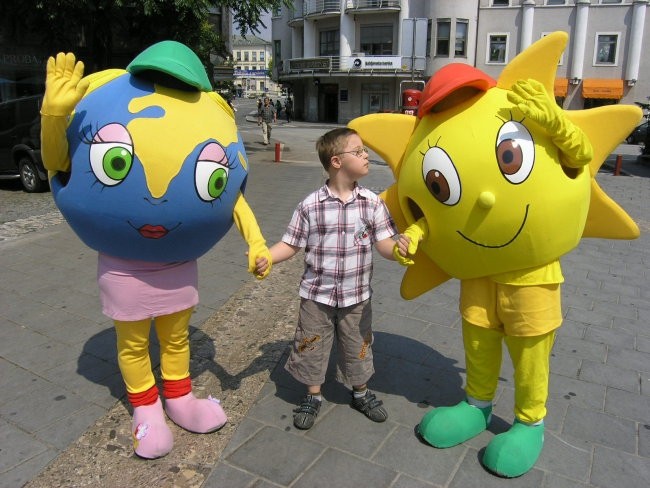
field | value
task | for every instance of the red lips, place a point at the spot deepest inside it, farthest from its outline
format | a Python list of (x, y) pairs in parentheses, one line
[(153, 231)]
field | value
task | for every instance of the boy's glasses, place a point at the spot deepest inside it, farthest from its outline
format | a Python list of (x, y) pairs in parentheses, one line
[(357, 152)]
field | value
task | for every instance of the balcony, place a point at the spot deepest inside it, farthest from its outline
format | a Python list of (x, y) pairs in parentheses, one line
[(371, 6), (315, 9), (356, 65), (297, 14)]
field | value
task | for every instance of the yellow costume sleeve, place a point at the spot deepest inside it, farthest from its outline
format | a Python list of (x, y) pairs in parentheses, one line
[(250, 231), (531, 98)]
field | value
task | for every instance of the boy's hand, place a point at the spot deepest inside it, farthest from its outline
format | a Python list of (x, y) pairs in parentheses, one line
[(407, 244), (63, 85), (262, 267)]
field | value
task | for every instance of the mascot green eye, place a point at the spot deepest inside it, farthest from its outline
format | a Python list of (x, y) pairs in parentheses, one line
[(211, 180), (111, 162)]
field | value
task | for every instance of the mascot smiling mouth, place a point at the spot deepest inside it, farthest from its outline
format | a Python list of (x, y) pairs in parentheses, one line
[(149, 231), (497, 246)]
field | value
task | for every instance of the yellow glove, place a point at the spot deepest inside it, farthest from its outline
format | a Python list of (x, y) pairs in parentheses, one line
[(63, 85), (64, 88), (415, 233), (531, 98), (250, 231)]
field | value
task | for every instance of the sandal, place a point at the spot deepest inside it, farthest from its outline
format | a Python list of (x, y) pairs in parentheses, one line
[(370, 407), (306, 413)]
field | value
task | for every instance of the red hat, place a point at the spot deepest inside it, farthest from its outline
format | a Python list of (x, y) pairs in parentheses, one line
[(450, 78)]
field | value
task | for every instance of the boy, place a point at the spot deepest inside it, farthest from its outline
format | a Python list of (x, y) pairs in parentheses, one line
[(337, 225)]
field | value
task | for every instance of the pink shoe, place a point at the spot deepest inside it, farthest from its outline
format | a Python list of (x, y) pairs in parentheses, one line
[(151, 435), (196, 415)]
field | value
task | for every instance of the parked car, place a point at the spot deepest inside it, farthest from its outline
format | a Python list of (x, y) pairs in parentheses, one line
[(638, 135), (20, 143)]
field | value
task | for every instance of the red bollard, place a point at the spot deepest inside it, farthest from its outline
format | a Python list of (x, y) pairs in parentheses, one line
[(619, 164), (278, 151)]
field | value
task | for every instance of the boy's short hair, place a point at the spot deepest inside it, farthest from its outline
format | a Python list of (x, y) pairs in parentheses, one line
[(332, 143)]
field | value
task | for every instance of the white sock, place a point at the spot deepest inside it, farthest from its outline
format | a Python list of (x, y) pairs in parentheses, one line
[(359, 393)]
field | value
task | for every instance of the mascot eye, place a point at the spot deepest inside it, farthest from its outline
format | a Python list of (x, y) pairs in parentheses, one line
[(111, 162), (440, 176), (211, 179), (515, 152)]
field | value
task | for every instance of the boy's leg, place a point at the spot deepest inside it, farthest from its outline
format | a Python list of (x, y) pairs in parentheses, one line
[(355, 360), (309, 357)]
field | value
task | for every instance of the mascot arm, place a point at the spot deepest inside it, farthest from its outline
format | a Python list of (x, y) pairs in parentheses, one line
[(64, 88), (531, 98), (250, 231), (415, 232)]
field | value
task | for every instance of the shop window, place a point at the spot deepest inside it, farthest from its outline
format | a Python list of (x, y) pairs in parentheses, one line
[(497, 49), (460, 42), (376, 39), (606, 48), (443, 31), (329, 43)]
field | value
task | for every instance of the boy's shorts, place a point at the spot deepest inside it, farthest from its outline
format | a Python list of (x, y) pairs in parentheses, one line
[(521, 311), (318, 325)]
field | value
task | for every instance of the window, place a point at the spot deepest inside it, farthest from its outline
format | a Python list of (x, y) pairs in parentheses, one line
[(329, 43), (606, 48), (429, 29), (500, 3), (497, 49), (246, 53), (555, 2), (376, 39), (262, 54), (238, 55), (460, 49), (611, 1), (254, 54), (443, 30), (277, 50)]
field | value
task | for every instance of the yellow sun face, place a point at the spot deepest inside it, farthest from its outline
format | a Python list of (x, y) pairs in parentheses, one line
[(490, 184), (491, 188)]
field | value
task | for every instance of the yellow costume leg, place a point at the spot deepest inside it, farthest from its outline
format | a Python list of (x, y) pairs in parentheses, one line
[(449, 426), (531, 361), (173, 335), (133, 355), (516, 451)]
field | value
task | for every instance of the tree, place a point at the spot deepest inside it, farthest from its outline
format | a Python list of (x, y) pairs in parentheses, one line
[(102, 30)]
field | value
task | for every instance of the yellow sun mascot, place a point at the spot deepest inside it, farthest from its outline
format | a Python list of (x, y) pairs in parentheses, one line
[(495, 182)]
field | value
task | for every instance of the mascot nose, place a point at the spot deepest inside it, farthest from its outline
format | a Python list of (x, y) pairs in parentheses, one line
[(486, 200)]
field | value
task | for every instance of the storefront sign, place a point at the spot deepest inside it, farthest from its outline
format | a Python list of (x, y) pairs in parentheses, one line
[(309, 63)]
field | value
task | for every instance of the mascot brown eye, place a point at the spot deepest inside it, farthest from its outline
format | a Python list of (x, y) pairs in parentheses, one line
[(438, 185), (515, 152), (509, 156), (440, 176)]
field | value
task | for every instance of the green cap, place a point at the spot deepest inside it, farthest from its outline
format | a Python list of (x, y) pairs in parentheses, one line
[(174, 59)]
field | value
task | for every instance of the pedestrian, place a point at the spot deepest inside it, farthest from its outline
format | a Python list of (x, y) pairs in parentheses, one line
[(265, 115), (337, 225), (278, 107), (288, 109), (259, 104)]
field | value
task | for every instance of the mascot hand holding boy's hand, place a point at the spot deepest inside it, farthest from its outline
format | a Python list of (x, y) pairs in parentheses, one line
[(148, 168)]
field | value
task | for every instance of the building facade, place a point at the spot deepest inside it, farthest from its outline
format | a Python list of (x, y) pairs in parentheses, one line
[(345, 58), (252, 58)]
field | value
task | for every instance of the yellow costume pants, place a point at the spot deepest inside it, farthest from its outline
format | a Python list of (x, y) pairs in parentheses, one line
[(133, 350), (530, 357)]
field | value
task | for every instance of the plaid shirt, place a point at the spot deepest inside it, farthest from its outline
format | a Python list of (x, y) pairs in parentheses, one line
[(338, 239)]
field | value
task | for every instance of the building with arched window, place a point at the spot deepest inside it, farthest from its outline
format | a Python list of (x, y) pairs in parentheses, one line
[(345, 58)]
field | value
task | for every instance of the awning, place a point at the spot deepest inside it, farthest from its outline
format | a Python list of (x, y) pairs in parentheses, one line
[(561, 87), (602, 88)]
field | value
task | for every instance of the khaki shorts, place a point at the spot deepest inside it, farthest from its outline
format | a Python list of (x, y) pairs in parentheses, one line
[(318, 325), (521, 311)]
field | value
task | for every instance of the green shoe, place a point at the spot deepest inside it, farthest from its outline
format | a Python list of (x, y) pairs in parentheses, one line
[(513, 453), (449, 426)]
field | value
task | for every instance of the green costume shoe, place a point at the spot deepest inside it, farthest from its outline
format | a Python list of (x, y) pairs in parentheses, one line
[(448, 426), (513, 453)]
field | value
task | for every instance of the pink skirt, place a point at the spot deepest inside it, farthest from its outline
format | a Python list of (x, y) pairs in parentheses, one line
[(136, 290)]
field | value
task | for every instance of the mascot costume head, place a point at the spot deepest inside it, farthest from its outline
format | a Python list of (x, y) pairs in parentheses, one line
[(494, 183), (148, 168)]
